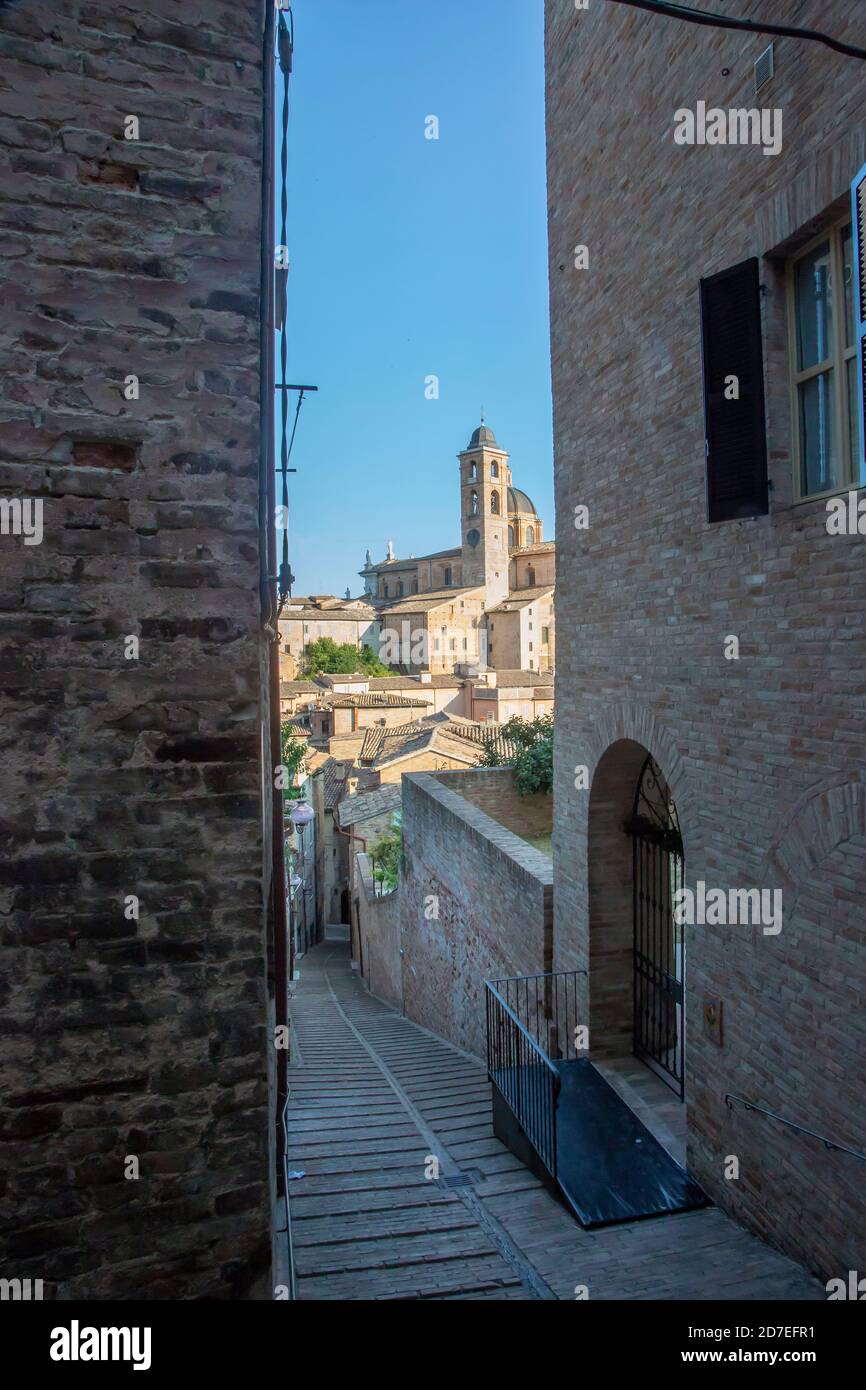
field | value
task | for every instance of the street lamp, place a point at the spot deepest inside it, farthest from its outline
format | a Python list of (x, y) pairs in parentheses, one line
[(302, 814)]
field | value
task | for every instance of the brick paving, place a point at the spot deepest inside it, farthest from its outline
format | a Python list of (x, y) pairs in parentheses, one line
[(373, 1097)]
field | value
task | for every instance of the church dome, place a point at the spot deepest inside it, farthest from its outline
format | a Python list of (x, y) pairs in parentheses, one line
[(519, 502), (482, 438)]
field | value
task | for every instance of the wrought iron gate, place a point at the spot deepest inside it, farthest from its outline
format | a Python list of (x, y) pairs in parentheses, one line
[(659, 942)]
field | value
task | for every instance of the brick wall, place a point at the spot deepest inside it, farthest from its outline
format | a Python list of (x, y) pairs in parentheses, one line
[(492, 790), (125, 1037), (477, 903), (376, 936), (764, 755)]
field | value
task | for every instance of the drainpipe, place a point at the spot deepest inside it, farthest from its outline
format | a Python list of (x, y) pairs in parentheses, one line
[(278, 965)]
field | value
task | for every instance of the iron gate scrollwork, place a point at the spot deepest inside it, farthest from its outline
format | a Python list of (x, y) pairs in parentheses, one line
[(659, 942)]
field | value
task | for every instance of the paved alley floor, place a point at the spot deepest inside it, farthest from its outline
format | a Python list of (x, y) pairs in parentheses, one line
[(374, 1098)]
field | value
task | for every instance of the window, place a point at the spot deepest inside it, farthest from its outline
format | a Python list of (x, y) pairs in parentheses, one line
[(494, 504), (473, 470), (473, 503), (530, 535), (530, 646), (453, 644), (545, 636), (400, 589), (530, 578), (494, 469), (447, 577), (511, 538), (821, 285)]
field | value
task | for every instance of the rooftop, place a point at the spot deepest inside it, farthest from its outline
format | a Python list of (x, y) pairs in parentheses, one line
[(431, 598), (507, 679), (334, 773), (288, 688), (366, 804), (519, 598), (442, 682), (374, 700), (482, 438), (519, 502)]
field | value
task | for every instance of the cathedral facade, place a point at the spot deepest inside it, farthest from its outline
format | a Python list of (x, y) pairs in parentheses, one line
[(485, 604)]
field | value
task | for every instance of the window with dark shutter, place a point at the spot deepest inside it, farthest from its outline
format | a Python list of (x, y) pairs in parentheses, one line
[(736, 438), (858, 199)]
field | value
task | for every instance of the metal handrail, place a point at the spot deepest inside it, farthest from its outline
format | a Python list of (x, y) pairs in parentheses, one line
[(523, 1075), (731, 1099), (536, 1047), (542, 975), (547, 1005)]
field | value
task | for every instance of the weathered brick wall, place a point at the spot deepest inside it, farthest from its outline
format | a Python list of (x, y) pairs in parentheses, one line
[(765, 755), (377, 932), (490, 900), (493, 790), (132, 776)]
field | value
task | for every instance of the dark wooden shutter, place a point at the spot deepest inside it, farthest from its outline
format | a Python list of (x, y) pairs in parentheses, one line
[(736, 436), (858, 201)]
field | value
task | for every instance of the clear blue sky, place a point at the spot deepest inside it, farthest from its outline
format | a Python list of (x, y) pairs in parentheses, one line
[(412, 257)]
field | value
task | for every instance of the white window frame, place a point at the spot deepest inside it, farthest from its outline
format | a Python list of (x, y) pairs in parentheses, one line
[(838, 364)]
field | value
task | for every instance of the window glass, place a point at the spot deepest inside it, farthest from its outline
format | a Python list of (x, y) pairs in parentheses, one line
[(818, 450), (814, 308)]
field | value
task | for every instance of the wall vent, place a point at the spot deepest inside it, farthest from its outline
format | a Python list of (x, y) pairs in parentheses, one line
[(765, 68)]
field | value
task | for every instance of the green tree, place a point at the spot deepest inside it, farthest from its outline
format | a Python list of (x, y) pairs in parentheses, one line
[(293, 751), (341, 659), (532, 757), (386, 855)]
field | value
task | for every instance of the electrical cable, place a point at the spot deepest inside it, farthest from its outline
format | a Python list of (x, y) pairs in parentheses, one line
[(712, 20)]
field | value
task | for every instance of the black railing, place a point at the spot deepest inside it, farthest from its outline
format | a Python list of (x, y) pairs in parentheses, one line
[(547, 1007), (524, 1076), (833, 1144)]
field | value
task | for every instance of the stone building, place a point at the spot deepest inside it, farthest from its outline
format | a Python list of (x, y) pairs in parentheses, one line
[(437, 611), (346, 621), (710, 691), (140, 931)]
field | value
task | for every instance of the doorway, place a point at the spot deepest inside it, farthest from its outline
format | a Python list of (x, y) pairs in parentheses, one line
[(658, 940)]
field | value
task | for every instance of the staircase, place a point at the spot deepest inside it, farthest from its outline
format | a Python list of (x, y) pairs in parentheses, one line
[(556, 1112)]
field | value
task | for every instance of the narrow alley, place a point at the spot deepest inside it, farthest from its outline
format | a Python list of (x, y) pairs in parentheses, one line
[(374, 1098)]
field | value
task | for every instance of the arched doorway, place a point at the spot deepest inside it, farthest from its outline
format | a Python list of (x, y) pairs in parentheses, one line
[(636, 954), (658, 941)]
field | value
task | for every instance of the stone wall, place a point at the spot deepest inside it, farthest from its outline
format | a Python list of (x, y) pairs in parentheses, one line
[(765, 754), (476, 904), (133, 891)]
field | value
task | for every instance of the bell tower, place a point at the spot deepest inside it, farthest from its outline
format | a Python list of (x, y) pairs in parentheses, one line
[(485, 478)]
